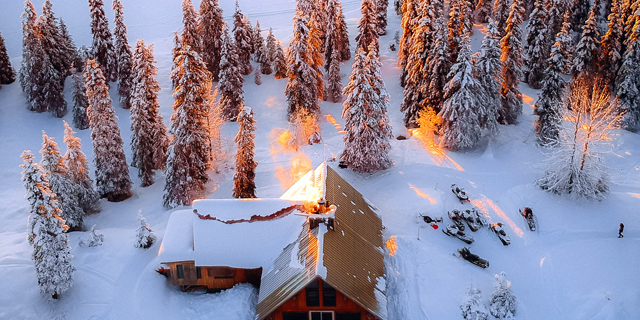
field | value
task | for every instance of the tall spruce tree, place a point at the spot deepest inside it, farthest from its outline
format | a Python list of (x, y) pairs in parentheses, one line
[(243, 41), (566, 42), (343, 44), (269, 50), (630, 13), (587, 51), (51, 252), (580, 14), (611, 42), (332, 35), (210, 31), (112, 172), (381, 16), (501, 10), (301, 90), (485, 10), (244, 185), (52, 41), (555, 9), (438, 66), (31, 49), (409, 20), (315, 45), (511, 98), (80, 102), (189, 35), (367, 127), (78, 171), (7, 75), (462, 108), (231, 79), (148, 133), (102, 45), (535, 48), (258, 42), (487, 68), (188, 153), (68, 49), (63, 186), (280, 63), (628, 88), (123, 55), (334, 80), (456, 34)]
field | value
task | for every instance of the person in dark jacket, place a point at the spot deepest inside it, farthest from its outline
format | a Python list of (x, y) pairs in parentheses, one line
[(620, 230)]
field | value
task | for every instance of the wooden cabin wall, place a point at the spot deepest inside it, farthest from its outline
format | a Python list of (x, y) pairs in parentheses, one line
[(212, 278)]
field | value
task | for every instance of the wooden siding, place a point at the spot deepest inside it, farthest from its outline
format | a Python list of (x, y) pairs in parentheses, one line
[(298, 303), (212, 278)]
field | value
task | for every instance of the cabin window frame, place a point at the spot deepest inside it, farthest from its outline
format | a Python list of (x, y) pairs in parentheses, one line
[(315, 300), (333, 314), (180, 271), (199, 272), (325, 289)]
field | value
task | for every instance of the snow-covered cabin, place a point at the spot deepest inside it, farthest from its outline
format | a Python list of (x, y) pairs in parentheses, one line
[(314, 253)]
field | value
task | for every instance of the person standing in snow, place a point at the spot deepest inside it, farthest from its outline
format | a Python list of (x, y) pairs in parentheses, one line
[(620, 230)]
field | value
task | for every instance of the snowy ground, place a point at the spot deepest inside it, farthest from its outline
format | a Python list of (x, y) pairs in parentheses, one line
[(573, 267)]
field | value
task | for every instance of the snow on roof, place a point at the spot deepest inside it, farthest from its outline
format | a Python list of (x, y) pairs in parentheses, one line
[(311, 187), (211, 242)]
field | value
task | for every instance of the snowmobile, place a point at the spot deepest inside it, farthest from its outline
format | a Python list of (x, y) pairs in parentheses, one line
[(460, 193), (497, 228), (528, 215), (473, 258), (428, 219), (453, 231), (457, 219), (473, 219)]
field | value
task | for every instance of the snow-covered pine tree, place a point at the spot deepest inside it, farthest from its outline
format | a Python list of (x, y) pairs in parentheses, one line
[(438, 66), (566, 42), (280, 63), (549, 121), (587, 51), (257, 42), (78, 171), (269, 50), (64, 187), (343, 43), (147, 145), (555, 13), (243, 41), (472, 307), (68, 48), (189, 35), (511, 98), (628, 88), (629, 13), (381, 16), (93, 239), (397, 6), (485, 10), (210, 31), (462, 108), (102, 44), (503, 302), (487, 67), (580, 14), (454, 24), (188, 153), (144, 235), (51, 252), (122, 55), (31, 48), (466, 8), (80, 102), (52, 41), (82, 54), (409, 20), (244, 185), (501, 10), (315, 45), (611, 42), (7, 75), (331, 35), (576, 168), (301, 90), (231, 79), (535, 49), (367, 127), (334, 80), (112, 172)]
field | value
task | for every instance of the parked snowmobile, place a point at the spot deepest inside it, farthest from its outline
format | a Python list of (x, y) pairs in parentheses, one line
[(457, 219), (528, 215), (473, 258), (473, 218), (428, 219), (497, 228), (460, 193), (452, 230)]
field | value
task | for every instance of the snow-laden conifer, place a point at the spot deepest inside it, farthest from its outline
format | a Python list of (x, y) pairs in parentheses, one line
[(112, 172), (555, 12), (31, 48), (332, 35), (438, 67), (628, 88), (367, 127), (315, 46), (487, 67), (52, 41), (579, 14), (501, 10), (244, 185), (343, 44), (381, 16), (511, 47), (334, 80), (269, 50), (210, 30), (566, 43), (462, 108), (68, 48), (409, 15), (454, 24), (503, 302), (535, 48), (243, 41), (123, 55), (484, 10), (51, 253), (587, 50), (93, 239), (144, 235), (189, 35), (258, 42), (62, 185), (301, 90), (148, 132), (78, 170), (630, 12), (7, 75), (188, 153), (611, 42), (472, 307), (102, 44), (231, 79), (280, 63), (80, 102)]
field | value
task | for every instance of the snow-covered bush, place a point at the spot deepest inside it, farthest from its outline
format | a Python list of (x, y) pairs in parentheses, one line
[(503, 302), (144, 235), (93, 239), (472, 308)]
